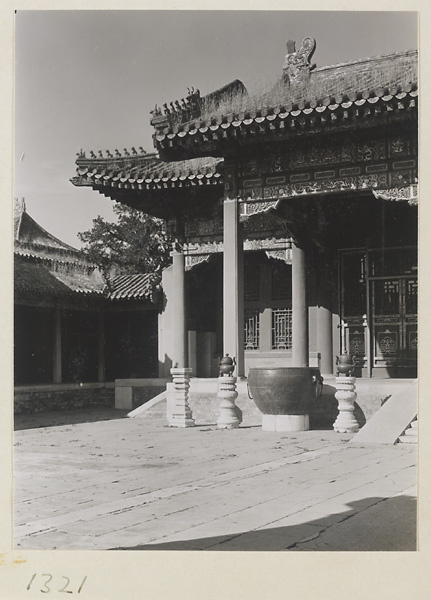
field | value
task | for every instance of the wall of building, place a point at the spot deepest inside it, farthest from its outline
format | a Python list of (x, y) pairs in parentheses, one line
[(37, 398)]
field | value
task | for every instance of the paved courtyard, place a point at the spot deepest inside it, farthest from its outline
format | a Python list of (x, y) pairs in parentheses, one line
[(97, 480)]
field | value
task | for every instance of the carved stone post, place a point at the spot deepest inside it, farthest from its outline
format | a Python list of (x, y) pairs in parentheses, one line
[(181, 415), (230, 414), (346, 395)]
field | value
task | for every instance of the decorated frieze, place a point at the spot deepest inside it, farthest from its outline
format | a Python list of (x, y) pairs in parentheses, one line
[(206, 248), (282, 246), (280, 249), (381, 175), (342, 165), (255, 224), (204, 228)]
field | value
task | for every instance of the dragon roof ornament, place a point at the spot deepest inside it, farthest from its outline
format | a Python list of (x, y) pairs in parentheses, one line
[(297, 66)]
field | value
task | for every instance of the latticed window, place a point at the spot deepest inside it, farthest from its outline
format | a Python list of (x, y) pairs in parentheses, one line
[(251, 330), (268, 303), (282, 329)]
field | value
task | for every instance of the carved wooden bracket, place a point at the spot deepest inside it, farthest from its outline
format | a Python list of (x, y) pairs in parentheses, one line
[(409, 193)]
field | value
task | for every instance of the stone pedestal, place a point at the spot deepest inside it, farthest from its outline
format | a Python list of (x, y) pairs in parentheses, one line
[(285, 423), (346, 396), (229, 412), (181, 415)]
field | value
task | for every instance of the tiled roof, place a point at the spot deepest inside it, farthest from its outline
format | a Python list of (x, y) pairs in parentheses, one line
[(32, 240), (27, 231), (44, 266), (359, 87), (48, 278), (136, 286), (144, 171), (34, 276)]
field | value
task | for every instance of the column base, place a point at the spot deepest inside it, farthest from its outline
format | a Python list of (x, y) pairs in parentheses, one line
[(285, 423)]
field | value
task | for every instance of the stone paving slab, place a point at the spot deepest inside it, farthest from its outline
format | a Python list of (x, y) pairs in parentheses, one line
[(83, 483)]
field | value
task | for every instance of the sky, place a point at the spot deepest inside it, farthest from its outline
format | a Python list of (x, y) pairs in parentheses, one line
[(88, 79)]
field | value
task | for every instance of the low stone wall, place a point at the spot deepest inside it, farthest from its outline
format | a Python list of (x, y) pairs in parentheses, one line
[(37, 398)]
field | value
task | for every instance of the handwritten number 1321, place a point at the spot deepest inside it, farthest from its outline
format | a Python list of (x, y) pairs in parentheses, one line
[(46, 585)]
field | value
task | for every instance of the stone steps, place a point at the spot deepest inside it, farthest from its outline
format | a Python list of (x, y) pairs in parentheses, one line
[(410, 435)]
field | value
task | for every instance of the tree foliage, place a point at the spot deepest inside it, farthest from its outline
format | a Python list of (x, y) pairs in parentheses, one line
[(136, 243)]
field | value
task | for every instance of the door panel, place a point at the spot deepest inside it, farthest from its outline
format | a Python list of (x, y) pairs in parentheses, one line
[(378, 293), (394, 322)]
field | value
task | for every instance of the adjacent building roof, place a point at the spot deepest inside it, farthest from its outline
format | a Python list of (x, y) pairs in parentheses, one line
[(46, 266), (49, 278), (138, 286), (33, 240)]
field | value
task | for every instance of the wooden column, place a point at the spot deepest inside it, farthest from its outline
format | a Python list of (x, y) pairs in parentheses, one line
[(233, 285), (57, 375), (300, 347), (324, 339), (324, 321), (100, 348), (179, 352)]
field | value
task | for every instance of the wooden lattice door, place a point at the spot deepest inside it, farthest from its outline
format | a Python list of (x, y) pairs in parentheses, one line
[(394, 322)]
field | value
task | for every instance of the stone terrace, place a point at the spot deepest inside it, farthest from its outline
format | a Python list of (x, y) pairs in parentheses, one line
[(96, 480)]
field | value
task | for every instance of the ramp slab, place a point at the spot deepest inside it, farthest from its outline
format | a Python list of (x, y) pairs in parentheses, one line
[(386, 426)]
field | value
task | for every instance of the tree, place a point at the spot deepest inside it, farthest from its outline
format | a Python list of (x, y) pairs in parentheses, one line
[(136, 243)]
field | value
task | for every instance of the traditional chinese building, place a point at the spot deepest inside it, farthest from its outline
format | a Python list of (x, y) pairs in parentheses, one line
[(73, 336), (295, 215)]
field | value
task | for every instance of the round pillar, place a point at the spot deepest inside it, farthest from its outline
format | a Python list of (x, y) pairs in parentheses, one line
[(299, 308), (178, 310), (324, 339), (233, 285)]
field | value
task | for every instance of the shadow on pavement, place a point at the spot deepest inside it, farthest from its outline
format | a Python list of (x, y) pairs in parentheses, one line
[(373, 524), (66, 417)]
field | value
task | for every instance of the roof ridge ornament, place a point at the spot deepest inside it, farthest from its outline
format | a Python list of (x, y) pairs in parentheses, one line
[(297, 66)]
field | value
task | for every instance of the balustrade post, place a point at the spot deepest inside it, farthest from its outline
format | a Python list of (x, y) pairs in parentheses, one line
[(180, 415), (230, 415), (346, 395)]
